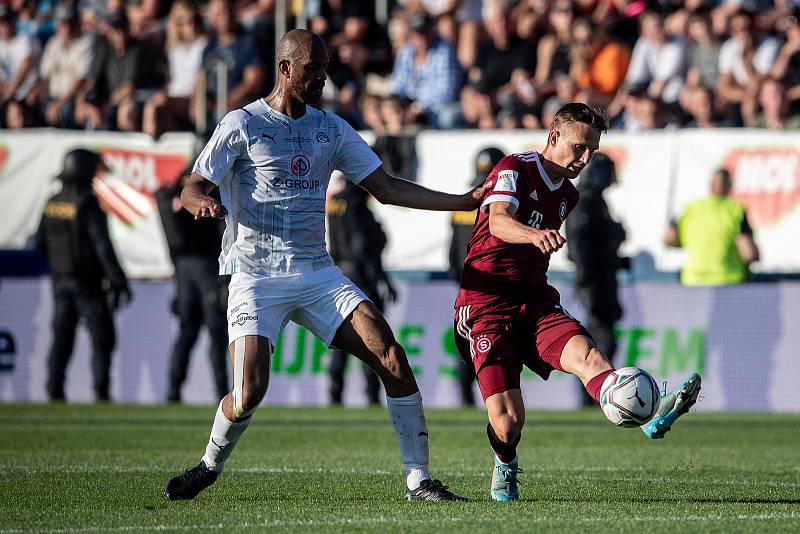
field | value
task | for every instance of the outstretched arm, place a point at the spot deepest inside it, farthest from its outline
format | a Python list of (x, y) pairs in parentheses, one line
[(389, 189), (195, 199)]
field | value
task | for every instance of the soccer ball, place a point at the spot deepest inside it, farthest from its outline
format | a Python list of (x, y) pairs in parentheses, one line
[(629, 397)]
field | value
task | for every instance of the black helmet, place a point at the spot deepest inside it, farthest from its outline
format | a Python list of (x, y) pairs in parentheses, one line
[(485, 161), (80, 166), (598, 174)]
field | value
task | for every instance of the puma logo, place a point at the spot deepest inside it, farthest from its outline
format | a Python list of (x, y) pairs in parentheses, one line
[(638, 398), (270, 137)]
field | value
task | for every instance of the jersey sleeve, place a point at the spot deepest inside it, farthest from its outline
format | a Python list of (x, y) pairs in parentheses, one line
[(504, 179), (354, 157), (227, 144)]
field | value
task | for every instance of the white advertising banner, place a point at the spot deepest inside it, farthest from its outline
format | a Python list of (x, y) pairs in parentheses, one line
[(742, 339), (30, 160), (659, 172)]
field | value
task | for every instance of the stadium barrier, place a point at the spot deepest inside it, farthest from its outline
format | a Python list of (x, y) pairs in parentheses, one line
[(742, 339), (659, 172)]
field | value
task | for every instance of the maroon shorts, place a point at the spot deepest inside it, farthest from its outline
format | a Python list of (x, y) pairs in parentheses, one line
[(499, 340)]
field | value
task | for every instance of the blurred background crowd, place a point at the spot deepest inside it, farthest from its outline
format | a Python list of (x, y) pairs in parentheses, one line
[(397, 66)]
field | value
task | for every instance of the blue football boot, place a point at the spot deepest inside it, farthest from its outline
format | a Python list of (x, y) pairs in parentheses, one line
[(672, 406), (504, 480)]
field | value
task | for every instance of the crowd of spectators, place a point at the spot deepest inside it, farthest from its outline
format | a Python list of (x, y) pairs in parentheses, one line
[(140, 65)]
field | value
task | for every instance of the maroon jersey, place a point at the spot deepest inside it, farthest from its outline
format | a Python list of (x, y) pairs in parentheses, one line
[(499, 272)]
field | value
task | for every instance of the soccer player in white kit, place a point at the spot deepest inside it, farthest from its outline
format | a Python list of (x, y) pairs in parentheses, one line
[(271, 161)]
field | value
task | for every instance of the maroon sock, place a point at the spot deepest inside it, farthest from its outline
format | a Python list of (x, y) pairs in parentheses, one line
[(593, 386), (505, 451)]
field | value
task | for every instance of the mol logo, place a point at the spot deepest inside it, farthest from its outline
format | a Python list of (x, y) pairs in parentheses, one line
[(766, 181), (143, 171), (127, 191)]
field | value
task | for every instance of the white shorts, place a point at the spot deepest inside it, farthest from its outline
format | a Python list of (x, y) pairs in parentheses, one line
[(318, 300)]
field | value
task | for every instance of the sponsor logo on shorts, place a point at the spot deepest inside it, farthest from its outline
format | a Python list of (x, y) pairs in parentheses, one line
[(506, 181), (483, 344), (322, 138), (243, 318), (300, 165)]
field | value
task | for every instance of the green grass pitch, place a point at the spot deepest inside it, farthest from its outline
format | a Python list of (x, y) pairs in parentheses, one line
[(72, 469)]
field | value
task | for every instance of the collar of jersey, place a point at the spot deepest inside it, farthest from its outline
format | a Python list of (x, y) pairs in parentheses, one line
[(306, 116), (545, 178)]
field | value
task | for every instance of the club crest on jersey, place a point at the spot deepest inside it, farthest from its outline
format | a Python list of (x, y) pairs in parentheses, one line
[(483, 344), (300, 165), (506, 181), (562, 209), (322, 138)]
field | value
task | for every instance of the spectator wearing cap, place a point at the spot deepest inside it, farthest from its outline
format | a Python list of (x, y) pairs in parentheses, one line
[(123, 74), (230, 44), (168, 108), (427, 73), (502, 78), (65, 64), (19, 55)]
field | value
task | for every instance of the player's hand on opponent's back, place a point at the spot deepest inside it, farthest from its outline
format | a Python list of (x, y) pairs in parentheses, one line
[(474, 197), (210, 208), (548, 241)]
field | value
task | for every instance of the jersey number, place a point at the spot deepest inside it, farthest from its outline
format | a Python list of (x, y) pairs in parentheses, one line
[(536, 219)]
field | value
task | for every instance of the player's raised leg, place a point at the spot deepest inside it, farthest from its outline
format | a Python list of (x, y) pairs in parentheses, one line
[(580, 357), (366, 334), (250, 361), (506, 411)]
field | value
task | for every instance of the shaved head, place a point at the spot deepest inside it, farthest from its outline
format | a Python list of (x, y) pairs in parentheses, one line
[(302, 59), (297, 44)]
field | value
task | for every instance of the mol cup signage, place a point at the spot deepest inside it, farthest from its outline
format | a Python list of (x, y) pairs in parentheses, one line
[(766, 181), (127, 190), (138, 167)]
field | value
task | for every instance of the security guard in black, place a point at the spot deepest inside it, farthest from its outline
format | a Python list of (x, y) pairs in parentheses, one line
[(88, 281)]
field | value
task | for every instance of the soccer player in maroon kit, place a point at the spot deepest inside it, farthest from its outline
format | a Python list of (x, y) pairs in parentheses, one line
[(507, 315)]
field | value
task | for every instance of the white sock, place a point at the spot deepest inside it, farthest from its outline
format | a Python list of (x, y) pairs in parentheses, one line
[(412, 436), (224, 435)]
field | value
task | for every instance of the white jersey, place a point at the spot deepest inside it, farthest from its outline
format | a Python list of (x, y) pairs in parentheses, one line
[(272, 172)]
